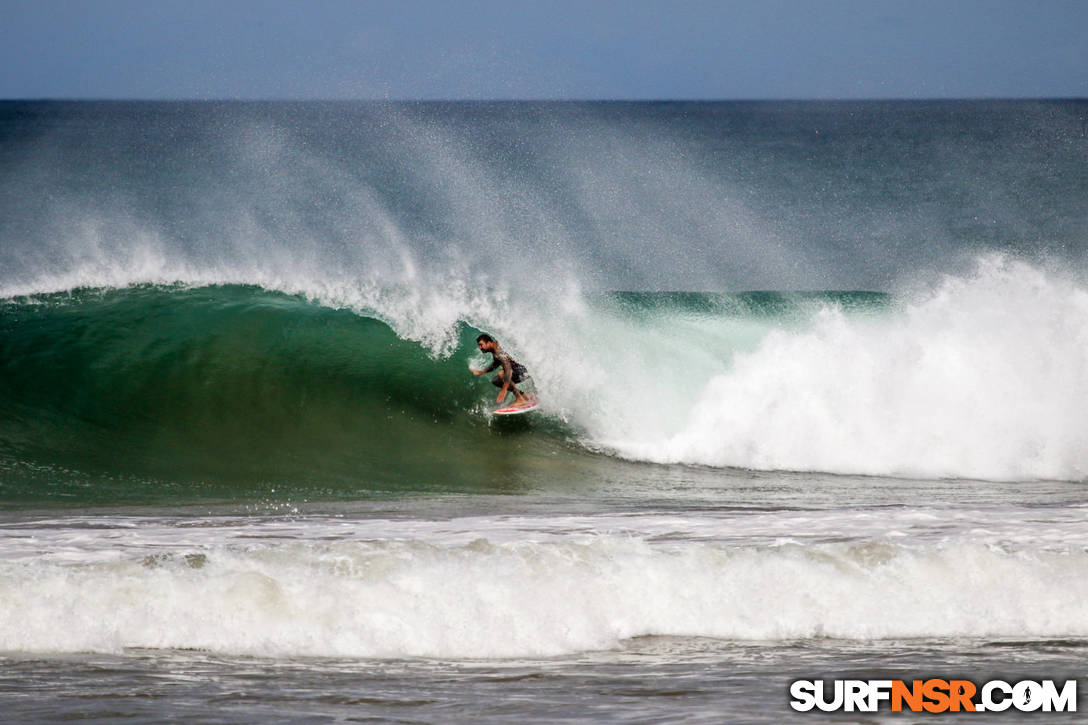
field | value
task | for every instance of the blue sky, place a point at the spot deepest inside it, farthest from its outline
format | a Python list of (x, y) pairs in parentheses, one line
[(638, 49)]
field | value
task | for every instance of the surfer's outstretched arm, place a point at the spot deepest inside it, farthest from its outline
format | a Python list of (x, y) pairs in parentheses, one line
[(494, 364)]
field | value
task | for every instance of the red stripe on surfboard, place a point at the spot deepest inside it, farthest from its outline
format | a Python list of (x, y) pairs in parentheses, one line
[(519, 409)]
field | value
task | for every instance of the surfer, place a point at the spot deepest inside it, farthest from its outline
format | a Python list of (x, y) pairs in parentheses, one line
[(512, 371)]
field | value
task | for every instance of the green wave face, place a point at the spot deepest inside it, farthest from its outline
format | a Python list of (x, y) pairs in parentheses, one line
[(153, 394), (135, 393)]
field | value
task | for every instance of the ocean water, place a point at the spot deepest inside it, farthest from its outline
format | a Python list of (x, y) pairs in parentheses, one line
[(813, 378)]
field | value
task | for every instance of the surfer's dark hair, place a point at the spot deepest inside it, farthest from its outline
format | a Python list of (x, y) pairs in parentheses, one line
[(484, 337)]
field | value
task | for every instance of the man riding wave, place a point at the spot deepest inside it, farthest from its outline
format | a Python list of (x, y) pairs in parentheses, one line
[(512, 371)]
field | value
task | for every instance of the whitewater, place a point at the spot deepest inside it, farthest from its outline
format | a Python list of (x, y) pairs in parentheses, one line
[(487, 587), (813, 380)]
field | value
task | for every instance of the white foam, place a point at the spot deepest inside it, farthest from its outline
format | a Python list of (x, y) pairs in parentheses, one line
[(493, 598), (984, 377)]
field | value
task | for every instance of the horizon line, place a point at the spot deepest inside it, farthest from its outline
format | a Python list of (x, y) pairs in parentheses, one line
[(753, 99)]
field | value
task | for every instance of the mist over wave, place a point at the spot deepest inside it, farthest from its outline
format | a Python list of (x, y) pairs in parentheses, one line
[(650, 196)]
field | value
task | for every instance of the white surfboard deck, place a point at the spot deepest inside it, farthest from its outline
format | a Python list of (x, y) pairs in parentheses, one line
[(534, 402)]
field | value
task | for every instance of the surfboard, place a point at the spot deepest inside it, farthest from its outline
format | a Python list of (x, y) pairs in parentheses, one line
[(508, 410)]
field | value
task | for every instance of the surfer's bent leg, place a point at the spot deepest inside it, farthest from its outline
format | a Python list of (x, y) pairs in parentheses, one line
[(497, 381)]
